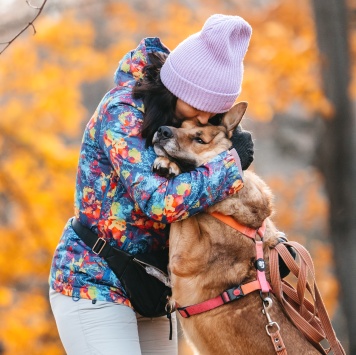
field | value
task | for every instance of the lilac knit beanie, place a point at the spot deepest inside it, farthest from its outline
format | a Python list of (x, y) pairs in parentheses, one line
[(206, 69)]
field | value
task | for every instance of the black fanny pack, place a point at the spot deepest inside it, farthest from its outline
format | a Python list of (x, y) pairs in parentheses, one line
[(143, 276)]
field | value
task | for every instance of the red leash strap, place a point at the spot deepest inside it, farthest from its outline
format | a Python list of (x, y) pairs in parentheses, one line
[(227, 296)]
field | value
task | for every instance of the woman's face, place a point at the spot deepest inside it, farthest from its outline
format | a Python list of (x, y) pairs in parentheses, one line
[(184, 112)]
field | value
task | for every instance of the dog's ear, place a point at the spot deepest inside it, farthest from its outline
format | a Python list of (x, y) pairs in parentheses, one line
[(234, 116)]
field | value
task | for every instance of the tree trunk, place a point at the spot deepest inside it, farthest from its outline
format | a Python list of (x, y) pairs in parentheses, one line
[(337, 151)]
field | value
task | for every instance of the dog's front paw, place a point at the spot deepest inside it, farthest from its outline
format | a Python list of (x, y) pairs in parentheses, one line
[(166, 168)]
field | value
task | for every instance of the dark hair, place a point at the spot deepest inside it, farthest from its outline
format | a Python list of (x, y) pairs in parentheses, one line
[(158, 101)]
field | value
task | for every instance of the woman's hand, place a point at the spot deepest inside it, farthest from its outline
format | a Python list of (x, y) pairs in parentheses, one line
[(243, 144)]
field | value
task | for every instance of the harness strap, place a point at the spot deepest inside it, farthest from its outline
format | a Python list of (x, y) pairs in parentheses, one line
[(261, 275), (250, 233), (227, 296), (247, 231)]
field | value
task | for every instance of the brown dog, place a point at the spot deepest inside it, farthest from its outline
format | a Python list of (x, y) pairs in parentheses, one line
[(208, 256)]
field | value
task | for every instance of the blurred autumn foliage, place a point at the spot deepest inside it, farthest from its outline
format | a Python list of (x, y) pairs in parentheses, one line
[(50, 83)]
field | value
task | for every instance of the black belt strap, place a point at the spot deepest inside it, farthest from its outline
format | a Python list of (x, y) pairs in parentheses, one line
[(98, 245)]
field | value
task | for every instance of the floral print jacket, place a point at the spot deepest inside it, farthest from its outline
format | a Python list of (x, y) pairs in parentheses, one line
[(118, 195)]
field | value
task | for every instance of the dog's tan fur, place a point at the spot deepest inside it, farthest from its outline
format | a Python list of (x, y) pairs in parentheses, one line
[(207, 256)]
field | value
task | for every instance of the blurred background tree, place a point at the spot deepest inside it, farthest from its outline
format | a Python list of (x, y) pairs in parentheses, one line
[(298, 82), (337, 148)]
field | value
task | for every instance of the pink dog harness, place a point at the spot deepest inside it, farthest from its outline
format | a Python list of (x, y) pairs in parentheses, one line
[(241, 290)]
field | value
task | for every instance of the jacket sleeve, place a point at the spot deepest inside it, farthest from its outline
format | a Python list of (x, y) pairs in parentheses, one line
[(160, 199)]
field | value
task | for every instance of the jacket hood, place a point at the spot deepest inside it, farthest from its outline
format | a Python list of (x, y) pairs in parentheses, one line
[(131, 65)]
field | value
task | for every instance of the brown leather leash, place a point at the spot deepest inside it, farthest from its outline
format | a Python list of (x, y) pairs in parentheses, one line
[(310, 317), (275, 336)]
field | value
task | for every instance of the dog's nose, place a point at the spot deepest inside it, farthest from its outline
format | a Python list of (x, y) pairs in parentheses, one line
[(164, 132)]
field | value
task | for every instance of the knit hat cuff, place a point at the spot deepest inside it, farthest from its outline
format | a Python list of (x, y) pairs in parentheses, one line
[(194, 95)]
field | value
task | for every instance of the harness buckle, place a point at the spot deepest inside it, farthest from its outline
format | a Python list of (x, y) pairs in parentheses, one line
[(99, 246), (232, 294)]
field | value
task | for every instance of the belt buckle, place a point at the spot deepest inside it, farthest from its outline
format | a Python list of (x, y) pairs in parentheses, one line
[(100, 243)]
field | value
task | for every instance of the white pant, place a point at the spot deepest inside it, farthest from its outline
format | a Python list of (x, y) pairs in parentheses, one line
[(106, 328)]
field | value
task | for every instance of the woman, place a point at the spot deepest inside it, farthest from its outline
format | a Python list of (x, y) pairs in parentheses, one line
[(119, 197)]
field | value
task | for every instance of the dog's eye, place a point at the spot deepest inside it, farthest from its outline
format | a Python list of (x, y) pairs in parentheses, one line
[(199, 140)]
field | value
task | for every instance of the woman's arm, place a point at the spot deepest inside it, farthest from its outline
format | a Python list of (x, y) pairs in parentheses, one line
[(160, 199)]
